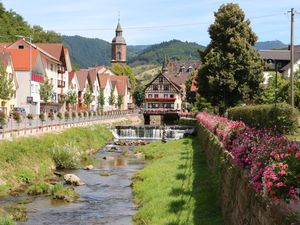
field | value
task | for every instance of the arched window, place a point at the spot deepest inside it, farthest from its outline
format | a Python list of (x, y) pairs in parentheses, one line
[(119, 54)]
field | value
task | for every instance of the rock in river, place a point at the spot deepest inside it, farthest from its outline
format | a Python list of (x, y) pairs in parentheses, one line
[(73, 179), (89, 167)]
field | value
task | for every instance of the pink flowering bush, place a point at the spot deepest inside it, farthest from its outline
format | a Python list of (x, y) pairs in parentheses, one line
[(271, 161)]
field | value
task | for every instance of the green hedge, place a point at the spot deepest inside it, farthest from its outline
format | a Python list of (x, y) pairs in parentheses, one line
[(281, 117)]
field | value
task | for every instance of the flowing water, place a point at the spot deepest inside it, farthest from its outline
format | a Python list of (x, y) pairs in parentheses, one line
[(103, 200)]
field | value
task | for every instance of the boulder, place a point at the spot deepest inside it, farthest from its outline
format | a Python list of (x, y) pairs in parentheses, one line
[(89, 167), (73, 179)]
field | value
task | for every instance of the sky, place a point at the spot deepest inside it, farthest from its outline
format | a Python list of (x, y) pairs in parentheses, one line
[(153, 21)]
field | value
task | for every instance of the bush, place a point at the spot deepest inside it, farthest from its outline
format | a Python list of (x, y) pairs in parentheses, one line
[(85, 114), (6, 220), (38, 189), (51, 115), (42, 117), (281, 118), (58, 191), (2, 119), (74, 115), (65, 157), (59, 115), (30, 116), (67, 115), (17, 117), (79, 114), (90, 113)]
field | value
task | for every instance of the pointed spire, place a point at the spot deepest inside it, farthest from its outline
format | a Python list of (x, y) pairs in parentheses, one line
[(119, 28)]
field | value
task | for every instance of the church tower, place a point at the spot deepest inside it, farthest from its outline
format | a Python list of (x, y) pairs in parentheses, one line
[(118, 47)]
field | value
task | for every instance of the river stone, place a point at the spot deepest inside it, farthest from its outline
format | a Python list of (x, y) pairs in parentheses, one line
[(73, 179), (138, 155), (89, 167)]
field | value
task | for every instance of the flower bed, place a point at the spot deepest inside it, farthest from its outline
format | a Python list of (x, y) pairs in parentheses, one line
[(271, 162)]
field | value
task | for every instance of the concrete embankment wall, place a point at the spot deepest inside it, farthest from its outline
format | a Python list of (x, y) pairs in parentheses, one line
[(240, 204)]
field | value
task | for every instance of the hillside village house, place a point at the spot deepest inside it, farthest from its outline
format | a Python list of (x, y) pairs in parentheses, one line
[(106, 86), (84, 86), (73, 86), (279, 60), (94, 84), (7, 63)]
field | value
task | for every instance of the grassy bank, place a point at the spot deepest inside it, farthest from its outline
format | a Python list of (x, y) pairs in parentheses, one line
[(175, 187), (27, 161)]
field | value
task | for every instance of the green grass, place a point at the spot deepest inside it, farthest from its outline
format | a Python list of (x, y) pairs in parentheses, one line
[(29, 160), (175, 187)]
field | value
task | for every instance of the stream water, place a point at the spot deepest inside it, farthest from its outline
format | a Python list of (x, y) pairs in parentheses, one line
[(103, 199)]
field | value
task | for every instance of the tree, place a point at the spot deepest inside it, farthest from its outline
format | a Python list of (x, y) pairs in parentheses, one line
[(46, 91), (6, 84), (139, 95), (88, 98), (101, 98), (71, 98), (120, 100), (232, 69), (124, 70), (111, 99)]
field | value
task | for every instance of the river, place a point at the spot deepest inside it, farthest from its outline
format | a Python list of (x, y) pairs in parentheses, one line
[(103, 199)]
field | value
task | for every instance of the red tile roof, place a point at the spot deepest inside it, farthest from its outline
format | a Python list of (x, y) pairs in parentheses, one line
[(21, 58), (82, 77), (71, 76), (121, 82), (92, 75), (194, 85), (54, 49), (103, 78)]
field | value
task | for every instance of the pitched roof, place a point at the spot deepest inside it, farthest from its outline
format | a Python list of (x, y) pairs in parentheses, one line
[(5, 58), (5, 44), (161, 74), (54, 49), (71, 76), (92, 74), (103, 78), (121, 83), (82, 77), (275, 54), (21, 59)]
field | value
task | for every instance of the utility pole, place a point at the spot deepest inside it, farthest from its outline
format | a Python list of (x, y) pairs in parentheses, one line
[(292, 58)]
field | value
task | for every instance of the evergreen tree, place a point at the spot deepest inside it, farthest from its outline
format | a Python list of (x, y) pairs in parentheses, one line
[(6, 85), (88, 98), (71, 98), (120, 100), (111, 99), (232, 69), (46, 91), (139, 95), (101, 98)]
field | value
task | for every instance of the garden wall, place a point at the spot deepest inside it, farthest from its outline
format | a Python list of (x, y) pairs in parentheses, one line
[(240, 204)]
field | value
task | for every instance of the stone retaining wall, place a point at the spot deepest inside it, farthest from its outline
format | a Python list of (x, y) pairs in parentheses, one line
[(240, 204)]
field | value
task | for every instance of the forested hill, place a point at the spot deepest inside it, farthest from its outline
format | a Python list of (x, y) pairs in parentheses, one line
[(268, 45), (155, 54), (12, 24), (93, 51)]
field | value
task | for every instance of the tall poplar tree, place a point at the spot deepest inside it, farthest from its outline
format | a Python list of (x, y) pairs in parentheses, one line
[(232, 69)]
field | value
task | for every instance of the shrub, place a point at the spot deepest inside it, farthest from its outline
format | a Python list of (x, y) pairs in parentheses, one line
[(17, 117), (90, 113), (6, 220), (2, 119), (30, 116), (25, 175), (280, 118), (38, 189), (65, 157), (95, 113), (74, 115), (59, 115), (85, 114), (51, 115), (58, 191), (67, 115), (17, 212), (42, 117), (271, 161), (79, 114)]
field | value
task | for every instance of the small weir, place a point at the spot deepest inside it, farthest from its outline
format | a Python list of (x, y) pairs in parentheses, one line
[(148, 132)]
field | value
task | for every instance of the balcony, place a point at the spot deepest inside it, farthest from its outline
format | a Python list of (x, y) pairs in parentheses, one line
[(160, 99), (61, 83)]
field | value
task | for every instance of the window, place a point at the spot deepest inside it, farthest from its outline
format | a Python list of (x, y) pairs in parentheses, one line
[(149, 95), (171, 96), (166, 96), (166, 87), (161, 79), (21, 46), (11, 76), (155, 87), (156, 96)]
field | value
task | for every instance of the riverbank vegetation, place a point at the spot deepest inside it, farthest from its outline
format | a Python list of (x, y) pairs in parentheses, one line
[(27, 161), (176, 186)]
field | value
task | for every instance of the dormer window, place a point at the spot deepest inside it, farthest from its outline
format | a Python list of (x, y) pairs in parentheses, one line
[(160, 79), (21, 46), (190, 69), (182, 69)]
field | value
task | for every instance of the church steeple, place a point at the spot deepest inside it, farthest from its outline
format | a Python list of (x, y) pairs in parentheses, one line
[(118, 46)]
